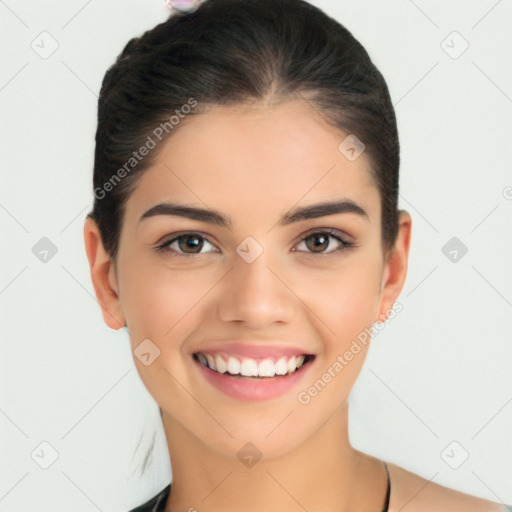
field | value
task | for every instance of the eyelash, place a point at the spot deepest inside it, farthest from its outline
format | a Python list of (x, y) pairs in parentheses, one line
[(333, 233)]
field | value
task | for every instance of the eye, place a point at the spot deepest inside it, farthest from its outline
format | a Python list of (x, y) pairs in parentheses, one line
[(319, 241), (186, 244)]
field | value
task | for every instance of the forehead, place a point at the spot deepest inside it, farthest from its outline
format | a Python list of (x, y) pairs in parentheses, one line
[(260, 158)]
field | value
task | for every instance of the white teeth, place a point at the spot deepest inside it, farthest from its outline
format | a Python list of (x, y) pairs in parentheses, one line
[(248, 367), (211, 361), (292, 364), (233, 366), (281, 366), (266, 368), (220, 364)]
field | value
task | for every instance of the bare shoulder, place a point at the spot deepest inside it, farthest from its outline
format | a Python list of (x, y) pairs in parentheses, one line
[(413, 493)]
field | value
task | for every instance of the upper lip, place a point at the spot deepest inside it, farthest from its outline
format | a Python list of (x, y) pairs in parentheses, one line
[(252, 350)]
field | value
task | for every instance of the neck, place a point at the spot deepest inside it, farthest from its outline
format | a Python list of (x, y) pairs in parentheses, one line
[(324, 473)]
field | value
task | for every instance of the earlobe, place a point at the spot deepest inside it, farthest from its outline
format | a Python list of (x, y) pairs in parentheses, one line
[(103, 276), (395, 268)]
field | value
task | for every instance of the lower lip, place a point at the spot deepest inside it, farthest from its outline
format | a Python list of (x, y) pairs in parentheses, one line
[(253, 388)]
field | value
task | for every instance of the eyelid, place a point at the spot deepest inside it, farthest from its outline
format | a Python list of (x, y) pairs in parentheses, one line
[(331, 231), (170, 237)]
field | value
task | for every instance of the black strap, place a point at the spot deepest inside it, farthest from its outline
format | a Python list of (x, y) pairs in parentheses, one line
[(155, 504)]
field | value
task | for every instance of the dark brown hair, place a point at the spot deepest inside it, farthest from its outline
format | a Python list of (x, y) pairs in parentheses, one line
[(230, 52)]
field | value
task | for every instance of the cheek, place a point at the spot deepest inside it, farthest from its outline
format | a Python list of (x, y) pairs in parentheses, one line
[(164, 305), (343, 299), (345, 302), (158, 299)]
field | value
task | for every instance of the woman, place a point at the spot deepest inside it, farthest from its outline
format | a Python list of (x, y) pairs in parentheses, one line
[(245, 229)]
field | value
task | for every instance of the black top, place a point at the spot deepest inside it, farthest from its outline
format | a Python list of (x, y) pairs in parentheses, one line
[(157, 504)]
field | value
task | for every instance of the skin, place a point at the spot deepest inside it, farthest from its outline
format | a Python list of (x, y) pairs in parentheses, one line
[(253, 164)]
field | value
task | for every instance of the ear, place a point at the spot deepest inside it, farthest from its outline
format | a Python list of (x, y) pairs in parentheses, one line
[(103, 275), (395, 268)]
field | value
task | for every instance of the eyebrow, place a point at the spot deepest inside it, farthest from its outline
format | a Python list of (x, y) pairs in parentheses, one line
[(299, 214)]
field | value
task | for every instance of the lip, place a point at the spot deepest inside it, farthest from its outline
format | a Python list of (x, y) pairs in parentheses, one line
[(253, 351), (254, 388)]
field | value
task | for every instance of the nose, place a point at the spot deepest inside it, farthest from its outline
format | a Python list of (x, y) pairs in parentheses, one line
[(256, 295)]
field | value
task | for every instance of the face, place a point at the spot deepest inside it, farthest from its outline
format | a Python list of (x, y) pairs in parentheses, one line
[(266, 283)]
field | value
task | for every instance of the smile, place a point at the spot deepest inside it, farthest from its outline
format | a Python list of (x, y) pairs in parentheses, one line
[(262, 377), (248, 367)]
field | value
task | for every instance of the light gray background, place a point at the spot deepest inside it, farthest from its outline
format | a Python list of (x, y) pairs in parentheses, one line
[(438, 372)]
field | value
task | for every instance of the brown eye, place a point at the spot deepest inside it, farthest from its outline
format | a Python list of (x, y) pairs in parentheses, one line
[(317, 242), (321, 242), (187, 244), (190, 243)]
